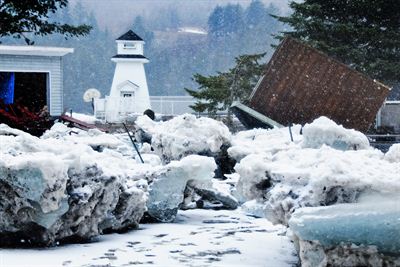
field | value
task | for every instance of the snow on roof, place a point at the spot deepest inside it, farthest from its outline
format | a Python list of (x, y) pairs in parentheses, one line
[(25, 50)]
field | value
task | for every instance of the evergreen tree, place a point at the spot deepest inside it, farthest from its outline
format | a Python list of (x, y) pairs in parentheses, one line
[(216, 22), (226, 20), (19, 18), (365, 34), (218, 92), (139, 27), (255, 14)]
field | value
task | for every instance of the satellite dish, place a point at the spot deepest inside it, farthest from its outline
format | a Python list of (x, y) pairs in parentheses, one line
[(91, 94)]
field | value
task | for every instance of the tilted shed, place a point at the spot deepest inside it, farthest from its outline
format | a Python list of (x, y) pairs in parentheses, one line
[(301, 84)]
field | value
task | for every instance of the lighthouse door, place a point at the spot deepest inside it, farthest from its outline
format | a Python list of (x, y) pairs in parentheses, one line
[(127, 102)]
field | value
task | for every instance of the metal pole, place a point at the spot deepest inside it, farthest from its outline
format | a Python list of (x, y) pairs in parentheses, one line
[(290, 131), (133, 143)]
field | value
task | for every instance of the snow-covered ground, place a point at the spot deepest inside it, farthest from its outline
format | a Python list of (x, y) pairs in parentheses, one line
[(195, 238)]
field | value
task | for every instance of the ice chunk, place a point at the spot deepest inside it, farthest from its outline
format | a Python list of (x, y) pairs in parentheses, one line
[(254, 208), (166, 191), (215, 195), (376, 224), (324, 131)]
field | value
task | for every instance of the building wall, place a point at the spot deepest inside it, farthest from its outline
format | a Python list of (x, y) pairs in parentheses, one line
[(124, 49), (390, 116), (134, 72), (51, 65)]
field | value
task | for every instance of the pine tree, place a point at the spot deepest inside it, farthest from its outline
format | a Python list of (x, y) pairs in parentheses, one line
[(218, 92), (140, 28), (365, 34), (226, 20), (19, 18)]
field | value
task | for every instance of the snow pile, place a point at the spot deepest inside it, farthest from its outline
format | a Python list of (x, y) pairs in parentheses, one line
[(258, 141), (166, 191), (363, 231), (94, 138), (324, 131), (183, 135), (298, 176), (55, 189), (393, 155)]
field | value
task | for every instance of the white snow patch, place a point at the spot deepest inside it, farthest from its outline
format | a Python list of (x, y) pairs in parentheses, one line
[(323, 131), (184, 135), (393, 155), (196, 238)]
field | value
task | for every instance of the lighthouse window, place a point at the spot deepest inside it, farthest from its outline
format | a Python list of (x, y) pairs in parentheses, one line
[(127, 95), (130, 45)]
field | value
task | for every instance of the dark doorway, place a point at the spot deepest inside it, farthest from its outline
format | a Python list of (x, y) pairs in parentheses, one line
[(28, 89)]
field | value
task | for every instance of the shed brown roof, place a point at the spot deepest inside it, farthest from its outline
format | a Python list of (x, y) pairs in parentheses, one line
[(301, 84)]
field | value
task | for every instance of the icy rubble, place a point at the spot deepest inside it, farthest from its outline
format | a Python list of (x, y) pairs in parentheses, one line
[(183, 135), (72, 185), (166, 191), (214, 195), (313, 254), (356, 234), (374, 223), (308, 174), (326, 166), (55, 190)]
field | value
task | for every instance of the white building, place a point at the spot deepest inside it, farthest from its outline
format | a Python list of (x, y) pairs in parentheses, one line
[(129, 92), (32, 76)]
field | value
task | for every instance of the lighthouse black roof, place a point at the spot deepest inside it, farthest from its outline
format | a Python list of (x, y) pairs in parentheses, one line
[(130, 56), (130, 36)]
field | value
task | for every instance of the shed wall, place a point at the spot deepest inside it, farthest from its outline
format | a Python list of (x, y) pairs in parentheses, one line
[(51, 65)]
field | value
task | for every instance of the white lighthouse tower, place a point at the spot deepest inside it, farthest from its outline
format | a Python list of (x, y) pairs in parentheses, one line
[(129, 92)]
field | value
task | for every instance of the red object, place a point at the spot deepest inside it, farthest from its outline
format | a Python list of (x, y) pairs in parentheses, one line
[(79, 124)]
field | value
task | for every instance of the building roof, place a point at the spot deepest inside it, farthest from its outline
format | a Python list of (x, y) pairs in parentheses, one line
[(28, 50), (301, 84), (130, 56), (129, 36)]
